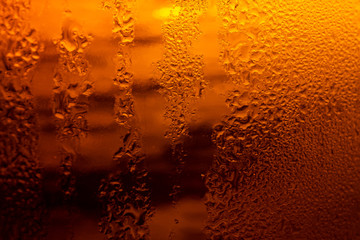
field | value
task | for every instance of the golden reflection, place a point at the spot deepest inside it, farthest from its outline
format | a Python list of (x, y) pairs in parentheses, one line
[(165, 12)]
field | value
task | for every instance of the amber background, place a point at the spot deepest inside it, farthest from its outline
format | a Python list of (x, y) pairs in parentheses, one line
[(97, 149)]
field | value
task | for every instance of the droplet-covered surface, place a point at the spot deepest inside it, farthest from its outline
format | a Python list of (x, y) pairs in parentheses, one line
[(280, 111), (287, 164), (20, 178)]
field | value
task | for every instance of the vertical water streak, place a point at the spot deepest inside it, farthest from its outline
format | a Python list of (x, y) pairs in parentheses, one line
[(181, 79), (181, 72), (71, 90), (125, 193), (20, 175)]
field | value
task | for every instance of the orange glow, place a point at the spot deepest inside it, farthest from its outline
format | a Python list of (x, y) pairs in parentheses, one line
[(165, 12), (179, 119)]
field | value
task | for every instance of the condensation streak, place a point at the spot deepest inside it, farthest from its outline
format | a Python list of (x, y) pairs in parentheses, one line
[(71, 90), (125, 193), (20, 176), (181, 79), (181, 72), (287, 158)]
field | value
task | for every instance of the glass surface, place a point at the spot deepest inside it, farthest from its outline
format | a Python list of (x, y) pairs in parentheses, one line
[(179, 119)]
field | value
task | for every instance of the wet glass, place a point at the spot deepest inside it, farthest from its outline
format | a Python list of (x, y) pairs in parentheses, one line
[(179, 119)]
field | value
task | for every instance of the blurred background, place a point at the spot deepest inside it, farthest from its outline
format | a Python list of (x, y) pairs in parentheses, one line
[(273, 150)]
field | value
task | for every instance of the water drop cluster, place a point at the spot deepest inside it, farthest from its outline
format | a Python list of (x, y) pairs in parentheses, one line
[(287, 158), (181, 76), (124, 34), (20, 176), (126, 195)]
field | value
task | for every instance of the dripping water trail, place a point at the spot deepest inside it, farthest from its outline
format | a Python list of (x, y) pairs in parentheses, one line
[(180, 79), (67, 183), (125, 193), (178, 156), (71, 90)]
